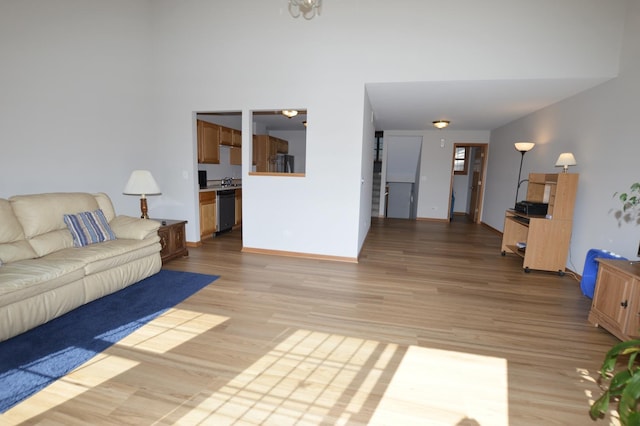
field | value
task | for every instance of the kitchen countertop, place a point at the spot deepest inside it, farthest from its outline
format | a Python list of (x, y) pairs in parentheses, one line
[(220, 188)]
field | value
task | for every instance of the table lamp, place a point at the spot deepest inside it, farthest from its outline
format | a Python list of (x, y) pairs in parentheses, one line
[(565, 160), (142, 183)]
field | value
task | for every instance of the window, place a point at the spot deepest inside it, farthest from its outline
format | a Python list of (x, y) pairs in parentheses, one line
[(461, 160), (279, 142)]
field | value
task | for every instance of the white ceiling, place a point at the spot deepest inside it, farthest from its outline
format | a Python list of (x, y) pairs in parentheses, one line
[(469, 105)]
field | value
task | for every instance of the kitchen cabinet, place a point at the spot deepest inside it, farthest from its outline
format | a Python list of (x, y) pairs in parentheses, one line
[(543, 240), (236, 138), (282, 146), (208, 219), (225, 136), (616, 300), (265, 149), (208, 142), (230, 137), (172, 239), (235, 156), (238, 207)]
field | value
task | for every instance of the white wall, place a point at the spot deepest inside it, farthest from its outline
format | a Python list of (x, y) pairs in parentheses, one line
[(600, 127), (75, 104), (93, 89)]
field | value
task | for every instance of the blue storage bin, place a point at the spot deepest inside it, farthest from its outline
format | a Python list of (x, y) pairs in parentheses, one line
[(590, 273)]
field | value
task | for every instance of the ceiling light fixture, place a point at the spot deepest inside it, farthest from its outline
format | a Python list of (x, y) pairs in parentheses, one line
[(441, 124), (289, 113), (307, 8)]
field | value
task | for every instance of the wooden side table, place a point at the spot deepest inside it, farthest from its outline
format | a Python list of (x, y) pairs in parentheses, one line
[(172, 239), (616, 301)]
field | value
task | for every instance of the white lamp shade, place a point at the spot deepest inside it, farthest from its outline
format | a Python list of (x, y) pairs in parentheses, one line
[(566, 159), (141, 182), (524, 146)]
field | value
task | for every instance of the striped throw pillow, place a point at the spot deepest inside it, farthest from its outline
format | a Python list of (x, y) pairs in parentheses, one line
[(89, 228)]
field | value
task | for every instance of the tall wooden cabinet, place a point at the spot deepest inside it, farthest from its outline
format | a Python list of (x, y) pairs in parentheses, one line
[(543, 240)]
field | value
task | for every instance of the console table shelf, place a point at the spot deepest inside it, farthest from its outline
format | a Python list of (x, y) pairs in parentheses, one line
[(545, 238)]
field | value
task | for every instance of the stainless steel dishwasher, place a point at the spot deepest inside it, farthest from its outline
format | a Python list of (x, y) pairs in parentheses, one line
[(226, 202)]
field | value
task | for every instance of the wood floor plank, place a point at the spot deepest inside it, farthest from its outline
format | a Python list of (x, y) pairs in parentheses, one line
[(432, 327)]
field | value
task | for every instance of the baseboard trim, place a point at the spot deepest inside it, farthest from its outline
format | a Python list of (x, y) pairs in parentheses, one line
[(299, 255), (491, 228), (432, 219)]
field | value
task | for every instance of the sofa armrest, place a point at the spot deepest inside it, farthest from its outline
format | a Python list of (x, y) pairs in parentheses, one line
[(133, 228)]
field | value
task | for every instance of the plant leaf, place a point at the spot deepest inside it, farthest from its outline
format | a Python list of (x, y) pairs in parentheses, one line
[(629, 398), (600, 406)]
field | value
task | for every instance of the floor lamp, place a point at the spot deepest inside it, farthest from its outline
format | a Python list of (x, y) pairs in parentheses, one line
[(522, 147)]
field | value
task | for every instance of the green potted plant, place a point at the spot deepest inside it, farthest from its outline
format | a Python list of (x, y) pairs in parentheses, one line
[(622, 373)]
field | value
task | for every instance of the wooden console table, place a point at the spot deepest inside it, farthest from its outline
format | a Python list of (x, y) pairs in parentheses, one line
[(616, 300)]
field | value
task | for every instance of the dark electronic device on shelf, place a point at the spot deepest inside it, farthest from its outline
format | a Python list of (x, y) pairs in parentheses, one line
[(531, 208), (202, 178)]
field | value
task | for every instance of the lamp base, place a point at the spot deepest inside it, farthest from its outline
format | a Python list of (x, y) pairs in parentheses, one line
[(143, 208)]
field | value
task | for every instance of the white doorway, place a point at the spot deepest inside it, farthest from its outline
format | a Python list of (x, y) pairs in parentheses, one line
[(400, 176), (467, 180)]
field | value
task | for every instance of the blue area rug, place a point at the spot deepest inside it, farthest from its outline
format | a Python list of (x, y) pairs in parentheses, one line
[(32, 360)]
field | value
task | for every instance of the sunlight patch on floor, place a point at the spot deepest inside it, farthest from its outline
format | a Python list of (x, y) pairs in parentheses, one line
[(171, 329), (94, 372), (313, 377), (446, 388)]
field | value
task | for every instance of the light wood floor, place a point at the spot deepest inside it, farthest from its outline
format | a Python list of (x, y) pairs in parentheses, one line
[(431, 327)]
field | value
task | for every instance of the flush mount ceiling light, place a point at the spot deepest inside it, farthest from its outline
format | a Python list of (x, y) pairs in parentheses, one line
[(440, 124), (289, 113), (307, 8)]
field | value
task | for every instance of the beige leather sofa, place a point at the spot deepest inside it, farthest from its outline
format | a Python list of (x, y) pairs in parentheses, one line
[(43, 274)]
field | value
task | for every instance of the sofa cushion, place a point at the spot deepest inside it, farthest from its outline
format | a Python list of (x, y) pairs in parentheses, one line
[(109, 254), (27, 278), (42, 213), (13, 246), (105, 204), (88, 228), (10, 228), (133, 227)]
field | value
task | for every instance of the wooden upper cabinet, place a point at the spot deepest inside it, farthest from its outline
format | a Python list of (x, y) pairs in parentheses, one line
[(230, 137), (282, 146), (208, 143), (226, 136), (236, 138)]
